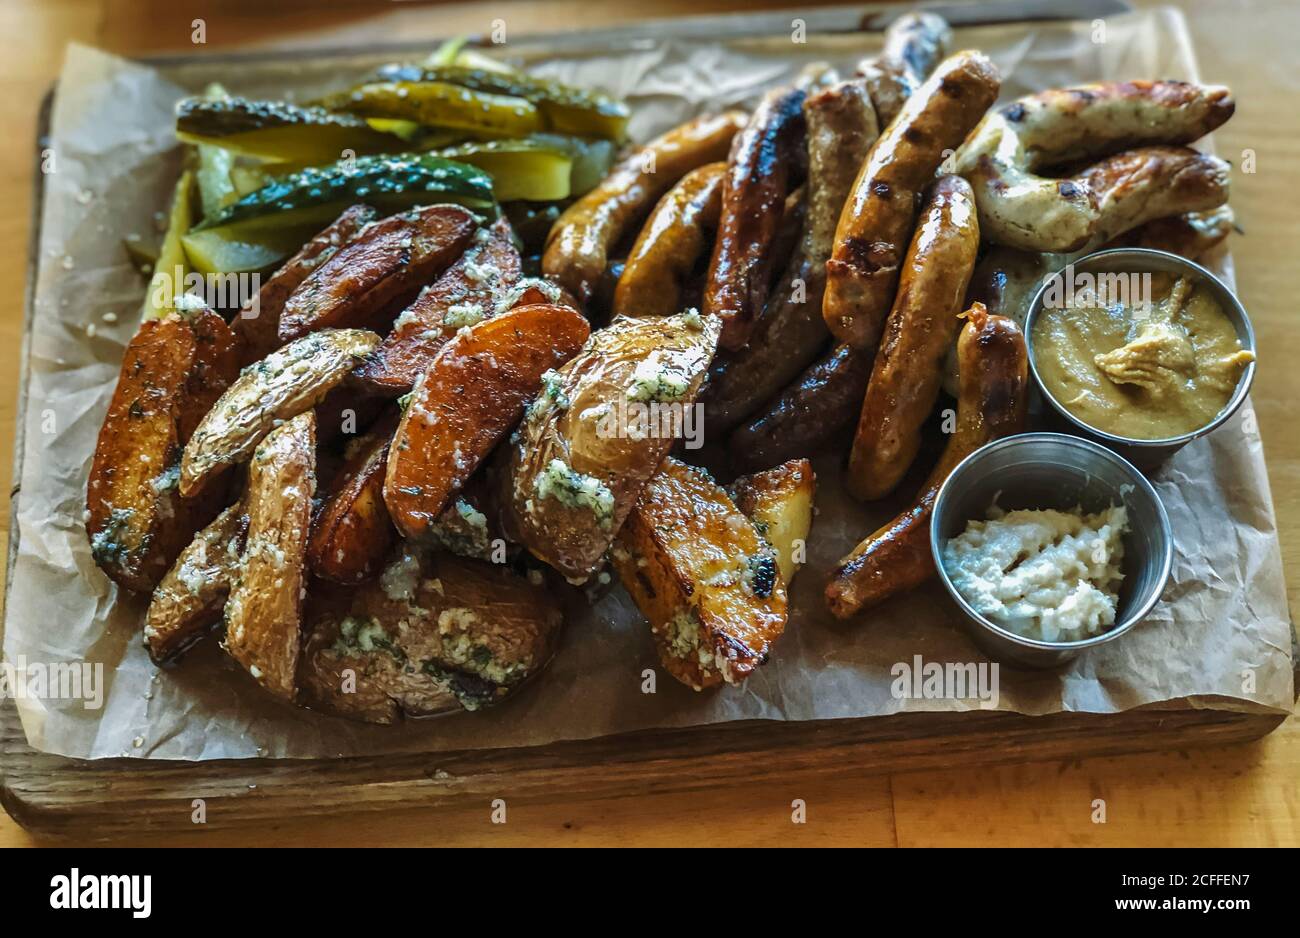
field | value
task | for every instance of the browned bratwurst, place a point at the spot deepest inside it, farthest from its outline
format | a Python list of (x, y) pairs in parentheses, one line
[(813, 411), (896, 558), (1191, 234), (877, 219), (914, 44), (579, 243), (673, 239), (921, 327), (753, 193), (790, 333)]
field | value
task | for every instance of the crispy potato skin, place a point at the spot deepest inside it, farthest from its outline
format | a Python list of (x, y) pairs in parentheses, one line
[(283, 385), (754, 188), (994, 378), (922, 325), (812, 413), (264, 611), (790, 333), (352, 532), (672, 240), (191, 596), (472, 395), (577, 423), (470, 634), (578, 246), (877, 220), (358, 285), (1020, 208), (138, 521), (481, 277), (258, 322), (780, 503), (699, 571)]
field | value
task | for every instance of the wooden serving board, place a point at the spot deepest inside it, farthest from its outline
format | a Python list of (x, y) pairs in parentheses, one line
[(57, 796), (115, 797)]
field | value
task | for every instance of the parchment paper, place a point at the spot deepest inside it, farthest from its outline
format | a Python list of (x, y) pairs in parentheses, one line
[(1222, 631)]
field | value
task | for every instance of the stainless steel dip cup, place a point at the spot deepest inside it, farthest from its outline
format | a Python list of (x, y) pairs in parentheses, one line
[(1147, 454), (1055, 470)]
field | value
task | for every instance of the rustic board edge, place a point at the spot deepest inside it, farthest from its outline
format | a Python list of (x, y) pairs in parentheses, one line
[(55, 796)]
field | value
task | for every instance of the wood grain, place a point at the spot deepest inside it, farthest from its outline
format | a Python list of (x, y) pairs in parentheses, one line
[(1240, 795)]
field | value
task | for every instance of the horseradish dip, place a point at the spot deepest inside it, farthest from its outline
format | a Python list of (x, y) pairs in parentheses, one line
[(1048, 575)]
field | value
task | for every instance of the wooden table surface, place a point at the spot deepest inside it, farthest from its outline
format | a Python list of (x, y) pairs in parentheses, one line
[(1243, 795)]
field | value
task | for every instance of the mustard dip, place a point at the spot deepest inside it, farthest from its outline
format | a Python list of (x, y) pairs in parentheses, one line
[(1146, 371)]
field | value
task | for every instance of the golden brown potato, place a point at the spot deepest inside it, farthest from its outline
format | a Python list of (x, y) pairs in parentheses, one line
[(191, 596), (471, 527), (283, 385), (258, 322), (470, 290), (434, 633), (598, 431), (352, 532), (472, 395), (699, 571), (264, 611), (137, 519), (780, 503), (387, 261)]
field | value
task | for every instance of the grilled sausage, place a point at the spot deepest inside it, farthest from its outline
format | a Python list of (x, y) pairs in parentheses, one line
[(669, 245), (753, 192), (1191, 234), (914, 44), (811, 413), (1003, 156), (878, 217), (896, 558), (579, 243), (1141, 185), (908, 370), (790, 333)]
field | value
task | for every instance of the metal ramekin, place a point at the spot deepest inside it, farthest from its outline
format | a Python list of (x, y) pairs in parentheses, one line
[(1148, 454), (1056, 470)]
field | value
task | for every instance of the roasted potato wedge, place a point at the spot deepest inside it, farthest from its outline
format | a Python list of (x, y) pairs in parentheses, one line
[(469, 291), (469, 528), (264, 611), (258, 322), (353, 532), (472, 395), (191, 596), (283, 385), (137, 519), (780, 503), (345, 414), (388, 260), (584, 452), (434, 633), (698, 569)]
